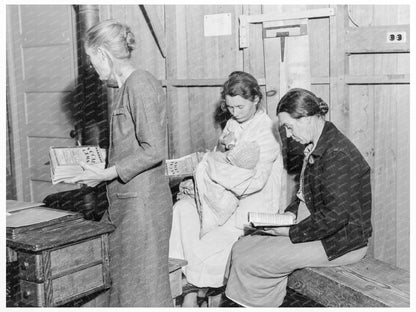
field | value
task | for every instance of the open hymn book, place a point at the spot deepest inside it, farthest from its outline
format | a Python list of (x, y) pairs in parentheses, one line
[(184, 166), (258, 219), (64, 161)]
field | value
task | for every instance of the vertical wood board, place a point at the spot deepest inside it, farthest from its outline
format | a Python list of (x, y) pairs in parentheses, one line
[(361, 125), (403, 178), (318, 32), (254, 54), (146, 54), (385, 221)]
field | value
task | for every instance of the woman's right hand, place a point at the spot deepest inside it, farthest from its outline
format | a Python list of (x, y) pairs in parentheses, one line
[(92, 176), (186, 187), (291, 214)]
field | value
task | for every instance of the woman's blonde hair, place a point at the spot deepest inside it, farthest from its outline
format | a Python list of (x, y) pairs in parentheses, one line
[(114, 36)]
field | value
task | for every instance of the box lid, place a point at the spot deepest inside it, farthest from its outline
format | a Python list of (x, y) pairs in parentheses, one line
[(56, 235), (19, 221)]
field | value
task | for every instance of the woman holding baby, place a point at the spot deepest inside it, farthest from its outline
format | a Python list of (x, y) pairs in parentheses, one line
[(242, 175)]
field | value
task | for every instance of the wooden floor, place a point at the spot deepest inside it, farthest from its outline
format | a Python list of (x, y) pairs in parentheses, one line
[(292, 299), (295, 299)]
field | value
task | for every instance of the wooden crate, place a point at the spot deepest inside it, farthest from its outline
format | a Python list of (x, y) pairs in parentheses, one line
[(62, 263)]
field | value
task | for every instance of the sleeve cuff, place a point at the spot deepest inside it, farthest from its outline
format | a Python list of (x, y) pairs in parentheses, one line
[(297, 235), (293, 207), (119, 170)]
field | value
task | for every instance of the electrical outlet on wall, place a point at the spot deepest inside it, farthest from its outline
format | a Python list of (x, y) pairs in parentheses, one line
[(396, 37)]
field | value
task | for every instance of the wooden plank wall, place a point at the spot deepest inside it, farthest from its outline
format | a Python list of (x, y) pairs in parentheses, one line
[(147, 55), (379, 126), (192, 56), (374, 116)]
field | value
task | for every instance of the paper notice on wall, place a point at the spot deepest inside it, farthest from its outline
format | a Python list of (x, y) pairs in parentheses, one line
[(217, 25)]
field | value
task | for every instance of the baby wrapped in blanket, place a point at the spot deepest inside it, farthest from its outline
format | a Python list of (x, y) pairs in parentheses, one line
[(215, 203)]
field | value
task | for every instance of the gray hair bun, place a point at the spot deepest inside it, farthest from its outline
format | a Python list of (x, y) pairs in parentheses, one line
[(130, 40)]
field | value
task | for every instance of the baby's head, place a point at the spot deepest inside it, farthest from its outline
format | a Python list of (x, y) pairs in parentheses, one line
[(228, 140), (244, 155)]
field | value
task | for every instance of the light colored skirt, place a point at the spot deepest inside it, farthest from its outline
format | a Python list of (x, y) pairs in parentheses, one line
[(207, 257), (260, 266)]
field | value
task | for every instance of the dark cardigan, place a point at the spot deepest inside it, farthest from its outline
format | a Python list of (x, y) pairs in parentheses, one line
[(337, 192)]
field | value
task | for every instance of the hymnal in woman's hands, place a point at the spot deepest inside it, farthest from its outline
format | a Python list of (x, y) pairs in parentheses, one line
[(65, 161), (184, 166), (264, 219)]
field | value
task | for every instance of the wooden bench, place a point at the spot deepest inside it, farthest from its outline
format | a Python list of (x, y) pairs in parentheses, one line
[(368, 283)]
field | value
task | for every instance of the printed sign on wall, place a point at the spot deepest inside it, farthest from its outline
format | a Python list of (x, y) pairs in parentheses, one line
[(217, 25)]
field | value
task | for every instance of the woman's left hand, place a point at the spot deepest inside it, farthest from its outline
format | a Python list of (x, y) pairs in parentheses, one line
[(92, 176), (277, 231)]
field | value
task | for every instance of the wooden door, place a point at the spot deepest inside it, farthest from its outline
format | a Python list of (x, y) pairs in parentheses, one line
[(41, 62), (301, 60)]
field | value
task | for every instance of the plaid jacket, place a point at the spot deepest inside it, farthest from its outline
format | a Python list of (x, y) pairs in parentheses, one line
[(337, 192)]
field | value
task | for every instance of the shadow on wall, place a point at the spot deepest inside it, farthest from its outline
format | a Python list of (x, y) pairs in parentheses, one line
[(86, 109)]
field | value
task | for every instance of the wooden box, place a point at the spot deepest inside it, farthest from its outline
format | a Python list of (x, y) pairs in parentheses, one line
[(62, 262)]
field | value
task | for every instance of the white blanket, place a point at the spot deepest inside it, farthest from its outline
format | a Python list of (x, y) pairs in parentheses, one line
[(220, 186)]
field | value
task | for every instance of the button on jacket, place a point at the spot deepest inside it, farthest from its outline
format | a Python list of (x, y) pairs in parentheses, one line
[(337, 192)]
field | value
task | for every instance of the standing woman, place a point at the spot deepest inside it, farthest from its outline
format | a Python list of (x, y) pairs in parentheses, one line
[(333, 209), (140, 203)]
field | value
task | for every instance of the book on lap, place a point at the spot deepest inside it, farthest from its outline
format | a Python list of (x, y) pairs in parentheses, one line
[(264, 219), (65, 161)]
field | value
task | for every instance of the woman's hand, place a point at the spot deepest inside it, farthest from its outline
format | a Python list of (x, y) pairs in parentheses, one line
[(277, 231), (280, 230), (186, 187), (92, 176)]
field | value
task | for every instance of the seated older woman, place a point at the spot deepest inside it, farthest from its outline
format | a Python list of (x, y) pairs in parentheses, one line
[(333, 210)]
